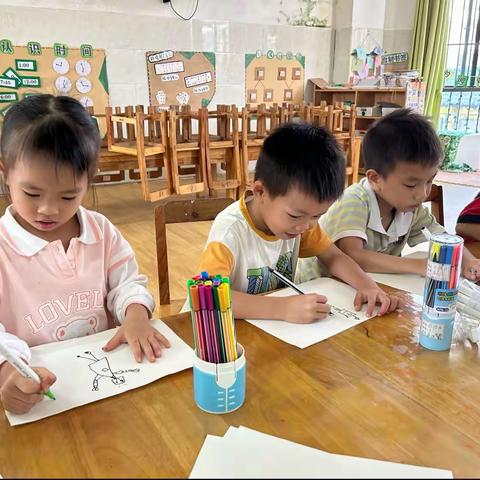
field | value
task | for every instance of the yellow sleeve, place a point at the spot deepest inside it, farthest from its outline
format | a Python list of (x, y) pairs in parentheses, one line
[(216, 259), (314, 242)]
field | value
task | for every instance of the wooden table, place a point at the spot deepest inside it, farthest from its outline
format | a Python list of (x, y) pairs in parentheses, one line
[(371, 391)]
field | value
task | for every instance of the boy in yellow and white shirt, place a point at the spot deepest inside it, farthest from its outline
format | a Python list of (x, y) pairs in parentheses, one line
[(299, 174)]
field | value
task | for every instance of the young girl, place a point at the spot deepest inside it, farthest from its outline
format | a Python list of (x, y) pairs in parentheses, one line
[(65, 271)]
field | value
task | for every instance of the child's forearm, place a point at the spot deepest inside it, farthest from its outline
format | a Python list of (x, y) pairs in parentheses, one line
[(376, 262), (467, 256), (347, 270), (257, 307), (469, 229)]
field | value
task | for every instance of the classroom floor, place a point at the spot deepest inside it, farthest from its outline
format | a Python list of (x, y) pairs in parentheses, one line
[(124, 206)]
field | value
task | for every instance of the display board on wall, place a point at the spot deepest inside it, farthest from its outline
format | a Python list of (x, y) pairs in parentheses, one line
[(80, 73), (180, 78), (274, 78)]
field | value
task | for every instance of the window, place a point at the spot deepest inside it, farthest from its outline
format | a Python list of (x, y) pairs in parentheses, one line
[(460, 108)]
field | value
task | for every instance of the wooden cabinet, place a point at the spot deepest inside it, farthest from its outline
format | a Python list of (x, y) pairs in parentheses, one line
[(410, 96)]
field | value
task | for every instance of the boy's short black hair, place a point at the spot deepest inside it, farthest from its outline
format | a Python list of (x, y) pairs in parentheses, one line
[(299, 155), (401, 136)]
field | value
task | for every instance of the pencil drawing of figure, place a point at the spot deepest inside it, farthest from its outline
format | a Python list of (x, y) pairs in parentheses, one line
[(101, 368)]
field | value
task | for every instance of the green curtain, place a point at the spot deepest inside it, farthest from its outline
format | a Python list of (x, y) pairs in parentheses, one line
[(429, 48)]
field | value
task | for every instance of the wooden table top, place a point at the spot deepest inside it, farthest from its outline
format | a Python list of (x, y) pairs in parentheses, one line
[(370, 391)]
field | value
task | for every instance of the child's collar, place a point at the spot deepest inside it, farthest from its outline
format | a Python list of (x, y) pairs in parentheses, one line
[(27, 244), (246, 197), (401, 221)]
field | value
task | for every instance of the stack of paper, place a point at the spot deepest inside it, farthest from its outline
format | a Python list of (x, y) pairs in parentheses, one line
[(246, 453)]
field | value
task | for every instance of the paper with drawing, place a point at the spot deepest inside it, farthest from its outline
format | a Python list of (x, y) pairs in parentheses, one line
[(340, 297), (85, 373)]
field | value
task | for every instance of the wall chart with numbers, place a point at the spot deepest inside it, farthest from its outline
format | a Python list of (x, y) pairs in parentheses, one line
[(80, 73), (274, 78), (180, 78)]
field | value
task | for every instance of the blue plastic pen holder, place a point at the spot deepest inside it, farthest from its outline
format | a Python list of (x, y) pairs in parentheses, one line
[(219, 387), (436, 331)]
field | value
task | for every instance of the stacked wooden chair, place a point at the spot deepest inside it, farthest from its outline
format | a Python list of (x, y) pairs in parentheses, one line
[(186, 142), (144, 137), (222, 150), (205, 151)]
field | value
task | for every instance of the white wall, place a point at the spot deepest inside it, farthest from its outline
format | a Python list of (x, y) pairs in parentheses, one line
[(126, 29), (399, 23), (265, 12), (366, 22)]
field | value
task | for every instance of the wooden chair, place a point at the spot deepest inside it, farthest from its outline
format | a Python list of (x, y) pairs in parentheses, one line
[(179, 211), (222, 150), (436, 199), (187, 151), (126, 135), (319, 116), (257, 123), (153, 133), (342, 124)]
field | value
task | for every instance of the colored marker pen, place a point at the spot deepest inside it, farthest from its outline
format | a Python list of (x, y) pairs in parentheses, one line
[(18, 364)]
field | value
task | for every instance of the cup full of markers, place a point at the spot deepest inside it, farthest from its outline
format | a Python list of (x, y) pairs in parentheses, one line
[(444, 265), (219, 363)]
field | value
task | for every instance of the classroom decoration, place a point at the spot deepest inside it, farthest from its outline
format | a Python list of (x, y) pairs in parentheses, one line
[(85, 373), (274, 78), (342, 314), (219, 364), (366, 66), (389, 58), (180, 78), (80, 73), (440, 293)]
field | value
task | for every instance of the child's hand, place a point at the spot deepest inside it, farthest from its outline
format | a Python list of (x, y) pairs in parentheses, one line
[(304, 308), (139, 333), (372, 296), (19, 394), (471, 269)]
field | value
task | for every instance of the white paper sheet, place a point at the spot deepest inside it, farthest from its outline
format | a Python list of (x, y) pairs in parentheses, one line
[(77, 382), (407, 282), (246, 453), (338, 294)]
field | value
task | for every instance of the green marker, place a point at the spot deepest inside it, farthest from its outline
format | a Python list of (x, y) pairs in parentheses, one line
[(18, 364)]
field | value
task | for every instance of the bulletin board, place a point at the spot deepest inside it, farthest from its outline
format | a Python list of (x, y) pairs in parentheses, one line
[(274, 78), (180, 78), (80, 73)]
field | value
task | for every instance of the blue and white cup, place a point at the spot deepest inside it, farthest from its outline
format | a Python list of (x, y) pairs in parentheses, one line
[(220, 387), (436, 330)]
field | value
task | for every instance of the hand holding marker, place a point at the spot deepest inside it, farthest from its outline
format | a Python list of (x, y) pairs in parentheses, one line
[(333, 308), (16, 362)]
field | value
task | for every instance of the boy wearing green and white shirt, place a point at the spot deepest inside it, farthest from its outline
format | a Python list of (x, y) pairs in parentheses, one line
[(358, 215), (374, 219)]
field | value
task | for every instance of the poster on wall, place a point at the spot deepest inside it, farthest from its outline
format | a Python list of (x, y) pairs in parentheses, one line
[(80, 73), (180, 78), (274, 78)]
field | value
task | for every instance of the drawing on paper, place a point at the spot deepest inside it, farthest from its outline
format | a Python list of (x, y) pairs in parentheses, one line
[(344, 312), (101, 368)]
